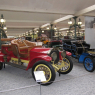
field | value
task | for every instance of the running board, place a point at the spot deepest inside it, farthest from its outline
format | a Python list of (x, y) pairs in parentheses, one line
[(16, 65)]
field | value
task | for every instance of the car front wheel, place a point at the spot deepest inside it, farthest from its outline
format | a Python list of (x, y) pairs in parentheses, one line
[(66, 65), (48, 70)]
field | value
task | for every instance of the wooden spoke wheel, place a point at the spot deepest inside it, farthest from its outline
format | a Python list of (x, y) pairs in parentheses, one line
[(48, 70)]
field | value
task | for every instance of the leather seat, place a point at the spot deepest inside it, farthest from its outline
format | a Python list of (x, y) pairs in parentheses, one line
[(22, 48)]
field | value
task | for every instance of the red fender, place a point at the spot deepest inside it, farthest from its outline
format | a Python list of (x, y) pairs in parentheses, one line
[(37, 58), (1, 57), (68, 53)]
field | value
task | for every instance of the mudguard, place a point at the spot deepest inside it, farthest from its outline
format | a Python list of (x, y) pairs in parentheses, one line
[(68, 53), (37, 58), (1, 57)]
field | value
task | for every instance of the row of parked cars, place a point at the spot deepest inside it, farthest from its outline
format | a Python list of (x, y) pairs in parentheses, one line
[(50, 58), (79, 49)]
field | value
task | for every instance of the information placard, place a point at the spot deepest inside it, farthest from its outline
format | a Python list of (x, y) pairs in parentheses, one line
[(39, 76)]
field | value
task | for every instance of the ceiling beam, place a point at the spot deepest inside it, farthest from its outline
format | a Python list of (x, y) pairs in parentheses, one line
[(84, 11), (40, 11)]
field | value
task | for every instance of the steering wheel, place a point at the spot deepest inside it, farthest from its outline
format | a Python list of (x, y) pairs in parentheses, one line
[(21, 40)]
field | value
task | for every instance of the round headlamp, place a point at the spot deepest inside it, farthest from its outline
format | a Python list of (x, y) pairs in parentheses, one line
[(63, 53), (54, 56)]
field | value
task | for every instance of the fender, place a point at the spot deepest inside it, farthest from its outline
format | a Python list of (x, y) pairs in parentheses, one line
[(68, 53), (1, 57), (82, 57), (37, 58)]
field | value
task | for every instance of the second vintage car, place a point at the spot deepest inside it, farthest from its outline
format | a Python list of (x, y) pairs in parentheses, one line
[(81, 51)]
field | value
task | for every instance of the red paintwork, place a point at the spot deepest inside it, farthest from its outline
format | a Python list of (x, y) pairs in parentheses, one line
[(1, 56), (41, 50), (68, 53), (37, 58), (36, 54)]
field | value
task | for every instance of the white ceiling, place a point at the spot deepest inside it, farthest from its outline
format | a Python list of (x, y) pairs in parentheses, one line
[(23, 15)]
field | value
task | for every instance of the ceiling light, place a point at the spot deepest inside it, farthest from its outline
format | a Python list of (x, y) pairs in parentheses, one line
[(55, 28), (48, 28), (42, 31), (2, 20), (30, 30), (5, 27), (63, 28), (26, 32), (63, 18), (70, 22), (79, 22), (45, 25), (36, 28)]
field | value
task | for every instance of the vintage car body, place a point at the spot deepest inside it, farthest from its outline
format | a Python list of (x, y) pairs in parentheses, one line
[(55, 44), (81, 50), (25, 55)]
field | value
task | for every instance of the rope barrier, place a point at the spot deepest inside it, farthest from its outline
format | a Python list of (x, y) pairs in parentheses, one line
[(39, 84)]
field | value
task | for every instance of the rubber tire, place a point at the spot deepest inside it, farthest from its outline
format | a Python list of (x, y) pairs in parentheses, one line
[(53, 75), (93, 63), (1, 65), (71, 65)]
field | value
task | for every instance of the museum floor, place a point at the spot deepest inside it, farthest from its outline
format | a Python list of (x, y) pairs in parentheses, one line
[(14, 81)]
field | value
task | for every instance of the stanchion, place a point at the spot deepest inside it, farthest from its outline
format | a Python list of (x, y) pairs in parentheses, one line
[(40, 77), (39, 81)]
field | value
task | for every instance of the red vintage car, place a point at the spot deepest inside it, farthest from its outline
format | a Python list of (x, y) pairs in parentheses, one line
[(24, 54)]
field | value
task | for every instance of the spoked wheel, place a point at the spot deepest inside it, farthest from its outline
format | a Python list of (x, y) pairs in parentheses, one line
[(48, 70), (89, 63), (66, 65), (1, 65)]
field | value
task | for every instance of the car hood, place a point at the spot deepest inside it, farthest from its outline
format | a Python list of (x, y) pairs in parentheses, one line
[(41, 50)]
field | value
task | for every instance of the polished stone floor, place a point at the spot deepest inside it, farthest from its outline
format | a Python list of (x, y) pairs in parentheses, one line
[(15, 81)]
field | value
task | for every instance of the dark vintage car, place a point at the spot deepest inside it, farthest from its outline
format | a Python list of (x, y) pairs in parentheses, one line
[(24, 54), (81, 50), (55, 44)]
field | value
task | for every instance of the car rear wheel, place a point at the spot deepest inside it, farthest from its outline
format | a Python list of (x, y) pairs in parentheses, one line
[(89, 63), (1, 65), (67, 65), (48, 70)]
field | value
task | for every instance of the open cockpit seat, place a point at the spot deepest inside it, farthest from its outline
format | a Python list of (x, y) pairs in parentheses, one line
[(22, 47), (80, 46)]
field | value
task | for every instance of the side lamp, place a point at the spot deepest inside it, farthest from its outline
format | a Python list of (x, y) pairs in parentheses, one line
[(4, 27), (2, 20), (79, 22), (70, 22)]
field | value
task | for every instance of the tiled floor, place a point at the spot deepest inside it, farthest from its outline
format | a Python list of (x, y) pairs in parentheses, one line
[(77, 82)]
